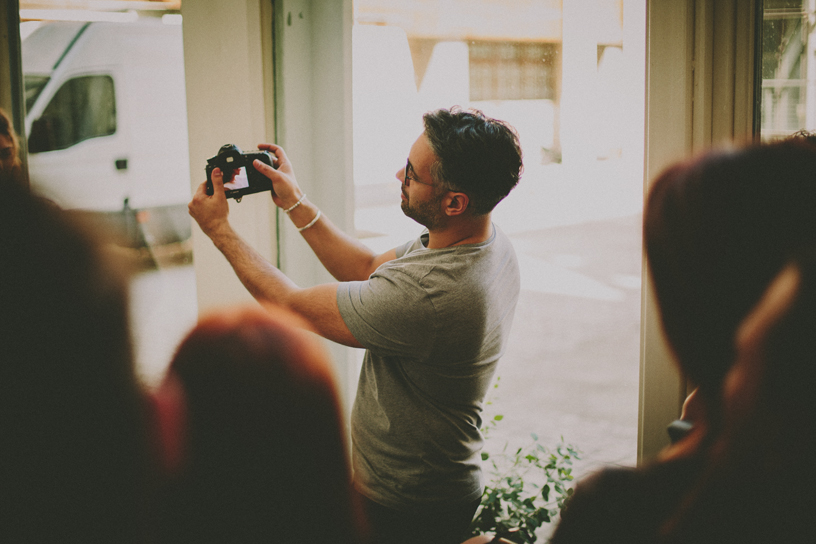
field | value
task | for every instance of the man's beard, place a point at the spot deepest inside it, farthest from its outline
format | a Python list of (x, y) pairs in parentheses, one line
[(425, 213)]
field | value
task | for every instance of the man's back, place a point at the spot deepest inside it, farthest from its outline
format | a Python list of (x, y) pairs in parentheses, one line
[(435, 322)]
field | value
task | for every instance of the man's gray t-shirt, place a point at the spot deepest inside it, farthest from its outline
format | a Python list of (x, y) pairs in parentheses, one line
[(434, 323)]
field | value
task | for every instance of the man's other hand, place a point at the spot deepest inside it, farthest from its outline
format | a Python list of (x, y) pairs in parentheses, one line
[(210, 212), (285, 187)]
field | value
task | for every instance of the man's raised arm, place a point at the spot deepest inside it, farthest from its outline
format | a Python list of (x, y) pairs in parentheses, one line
[(263, 280), (346, 258)]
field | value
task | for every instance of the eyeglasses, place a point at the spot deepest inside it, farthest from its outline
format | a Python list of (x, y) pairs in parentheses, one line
[(408, 177)]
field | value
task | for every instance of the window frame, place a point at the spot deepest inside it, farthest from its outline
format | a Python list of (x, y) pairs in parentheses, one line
[(700, 91)]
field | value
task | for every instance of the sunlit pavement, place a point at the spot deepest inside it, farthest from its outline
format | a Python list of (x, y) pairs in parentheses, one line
[(572, 366)]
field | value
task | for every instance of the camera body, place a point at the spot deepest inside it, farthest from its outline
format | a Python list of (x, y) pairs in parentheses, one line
[(230, 159)]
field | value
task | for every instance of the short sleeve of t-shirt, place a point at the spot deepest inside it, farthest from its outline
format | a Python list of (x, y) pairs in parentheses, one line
[(406, 247), (390, 314)]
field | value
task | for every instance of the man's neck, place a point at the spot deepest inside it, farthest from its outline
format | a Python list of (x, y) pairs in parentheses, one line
[(472, 230)]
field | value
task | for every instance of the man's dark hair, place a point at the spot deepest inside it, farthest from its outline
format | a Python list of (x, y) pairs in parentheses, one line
[(476, 155)]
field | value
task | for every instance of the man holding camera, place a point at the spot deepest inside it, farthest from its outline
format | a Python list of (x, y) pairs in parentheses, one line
[(433, 315)]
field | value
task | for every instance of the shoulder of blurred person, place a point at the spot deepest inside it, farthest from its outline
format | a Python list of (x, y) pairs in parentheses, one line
[(75, 461), (625, 504), (486, 539), (263, 455)]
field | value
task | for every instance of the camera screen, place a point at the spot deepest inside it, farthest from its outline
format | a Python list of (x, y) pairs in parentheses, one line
[(239, 180)]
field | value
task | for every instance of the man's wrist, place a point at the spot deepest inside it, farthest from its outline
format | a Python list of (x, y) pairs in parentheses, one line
[(290, 209), (220, 232), (303, 214)]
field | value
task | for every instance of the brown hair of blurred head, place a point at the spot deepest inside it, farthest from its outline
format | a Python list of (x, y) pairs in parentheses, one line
[(73, 455), (264, 454), (717, 229)]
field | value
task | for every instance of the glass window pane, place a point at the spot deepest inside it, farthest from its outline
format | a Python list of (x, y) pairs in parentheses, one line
[(788, 93), (107, 132), (83, 108)]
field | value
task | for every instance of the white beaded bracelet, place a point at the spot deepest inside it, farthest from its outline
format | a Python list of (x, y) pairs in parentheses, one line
[(296, 204), (311, 223)]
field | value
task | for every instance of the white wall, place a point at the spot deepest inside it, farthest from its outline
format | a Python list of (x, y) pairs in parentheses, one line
[(314, 126), (226, 99)]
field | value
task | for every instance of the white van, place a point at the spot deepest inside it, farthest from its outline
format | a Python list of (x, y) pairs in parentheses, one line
[(106, 120)]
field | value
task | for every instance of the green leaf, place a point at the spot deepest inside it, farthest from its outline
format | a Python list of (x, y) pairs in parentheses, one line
[(498, 417), (510, 504)]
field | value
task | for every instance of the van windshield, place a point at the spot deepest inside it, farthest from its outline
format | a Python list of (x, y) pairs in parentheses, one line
[(33, 87)]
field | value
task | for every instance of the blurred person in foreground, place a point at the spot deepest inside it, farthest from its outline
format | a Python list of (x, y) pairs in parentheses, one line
[(717, 230), (75, 462), (760, 484), (433, 314), (254, 440)]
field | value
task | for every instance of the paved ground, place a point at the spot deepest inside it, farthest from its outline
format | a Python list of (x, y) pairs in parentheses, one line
[(572, 367)]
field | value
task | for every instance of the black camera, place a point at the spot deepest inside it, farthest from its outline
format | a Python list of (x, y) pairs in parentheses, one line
[(240, 177)]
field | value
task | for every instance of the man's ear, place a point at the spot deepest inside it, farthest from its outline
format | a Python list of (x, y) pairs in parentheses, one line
[(456, 203)]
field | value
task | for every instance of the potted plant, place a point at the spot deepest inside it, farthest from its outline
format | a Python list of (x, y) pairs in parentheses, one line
[(528, 487)]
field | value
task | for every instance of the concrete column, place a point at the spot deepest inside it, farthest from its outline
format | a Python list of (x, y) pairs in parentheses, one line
[(579, 65), (633, 133)]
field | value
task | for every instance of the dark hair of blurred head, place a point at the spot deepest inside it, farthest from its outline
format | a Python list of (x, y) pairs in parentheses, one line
[(476, 155), (73, 460), (265, 457), (717, 229)]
